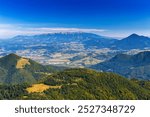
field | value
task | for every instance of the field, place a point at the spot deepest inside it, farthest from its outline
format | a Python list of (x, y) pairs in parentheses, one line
[(21, 63), (37, 88)]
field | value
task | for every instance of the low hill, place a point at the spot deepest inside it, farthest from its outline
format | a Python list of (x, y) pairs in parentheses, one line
[(15, 69), (131, 66)]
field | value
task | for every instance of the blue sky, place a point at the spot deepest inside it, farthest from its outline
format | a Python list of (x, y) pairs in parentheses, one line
[(116, 18)]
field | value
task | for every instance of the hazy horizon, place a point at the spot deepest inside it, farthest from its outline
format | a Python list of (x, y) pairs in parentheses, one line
[(10, 33), (112, 18)]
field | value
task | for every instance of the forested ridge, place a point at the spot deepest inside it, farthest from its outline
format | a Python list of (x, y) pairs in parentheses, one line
[(84, 84)]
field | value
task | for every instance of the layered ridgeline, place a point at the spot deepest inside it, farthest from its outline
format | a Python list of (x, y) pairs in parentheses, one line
[(88, 40), (74, 49), (81, 84), (22, 78), (131, 66), (15, 70)]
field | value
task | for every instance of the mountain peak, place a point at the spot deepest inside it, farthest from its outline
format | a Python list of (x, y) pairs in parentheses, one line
[(10, 61), (12, 56), (134, 35), (16, 60)]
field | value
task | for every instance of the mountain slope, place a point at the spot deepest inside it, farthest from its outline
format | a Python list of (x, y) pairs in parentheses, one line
[(88, 84), (15, 69), (79, 84), (133, 41), (131, 66)]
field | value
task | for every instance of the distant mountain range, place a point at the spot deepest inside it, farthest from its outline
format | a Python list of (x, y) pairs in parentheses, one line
[(89, 48), (89, 40), (56, 42), (81, 50), (23, 78), (131, 66)]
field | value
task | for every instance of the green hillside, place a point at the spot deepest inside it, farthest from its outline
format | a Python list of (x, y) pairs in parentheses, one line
[(15, 70), (87, 84)]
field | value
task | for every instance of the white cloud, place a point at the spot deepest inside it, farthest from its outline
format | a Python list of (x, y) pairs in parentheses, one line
[(8, 30)]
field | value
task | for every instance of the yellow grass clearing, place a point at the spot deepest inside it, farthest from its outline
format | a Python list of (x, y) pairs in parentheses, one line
[(21, 63), (38, 88)]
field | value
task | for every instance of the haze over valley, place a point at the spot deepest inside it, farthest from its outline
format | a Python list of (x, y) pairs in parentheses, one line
[(72, 49), (77, 50)]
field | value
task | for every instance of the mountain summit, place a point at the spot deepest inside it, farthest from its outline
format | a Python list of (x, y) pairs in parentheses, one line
[(134, 35), (133, 41), (9, 61)]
